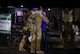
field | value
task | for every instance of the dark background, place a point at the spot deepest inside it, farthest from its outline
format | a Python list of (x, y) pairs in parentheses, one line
[(44, 3)]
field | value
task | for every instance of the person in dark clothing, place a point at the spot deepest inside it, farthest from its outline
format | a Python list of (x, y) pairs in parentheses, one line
[(43, 26), (68, 32)]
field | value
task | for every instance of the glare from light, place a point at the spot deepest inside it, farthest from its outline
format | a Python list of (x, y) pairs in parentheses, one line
[(21, 5), (49, 9), (77, 33)]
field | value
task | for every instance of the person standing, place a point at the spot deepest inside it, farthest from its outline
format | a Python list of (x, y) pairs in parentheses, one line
[(26, 33), (68, 32), (43, 26), (35, 21)]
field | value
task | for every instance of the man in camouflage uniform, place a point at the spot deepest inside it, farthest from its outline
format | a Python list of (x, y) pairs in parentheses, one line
[(25, 32), (68, 32), (35, 28)]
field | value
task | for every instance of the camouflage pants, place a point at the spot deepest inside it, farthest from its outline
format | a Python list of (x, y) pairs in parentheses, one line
[(68, 33), (36, 40)]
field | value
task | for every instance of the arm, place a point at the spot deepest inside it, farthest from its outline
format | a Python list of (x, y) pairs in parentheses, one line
[(45, 19), (29, 21), (70, 18)]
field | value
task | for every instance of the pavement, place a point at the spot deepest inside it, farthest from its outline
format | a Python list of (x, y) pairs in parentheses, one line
[(11, 50)]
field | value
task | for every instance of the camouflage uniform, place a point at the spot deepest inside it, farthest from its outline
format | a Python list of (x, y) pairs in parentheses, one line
[(24, 39), (68, 32), (36, 31)]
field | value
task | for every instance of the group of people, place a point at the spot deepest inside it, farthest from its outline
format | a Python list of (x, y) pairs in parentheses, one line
[(36, 21)]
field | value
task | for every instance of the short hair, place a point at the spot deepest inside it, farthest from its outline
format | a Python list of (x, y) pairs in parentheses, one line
[(69, 9), (39, 8)]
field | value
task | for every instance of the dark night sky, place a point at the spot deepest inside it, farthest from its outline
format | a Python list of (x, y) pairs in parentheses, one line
[(27, 3), (36, 3), (32, 3)]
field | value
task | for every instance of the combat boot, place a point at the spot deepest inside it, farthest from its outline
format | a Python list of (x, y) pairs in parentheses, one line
[(39, 52), (32, 52)]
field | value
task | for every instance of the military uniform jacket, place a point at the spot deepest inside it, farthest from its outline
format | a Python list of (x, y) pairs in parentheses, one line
[(39, 19), (67, 18)]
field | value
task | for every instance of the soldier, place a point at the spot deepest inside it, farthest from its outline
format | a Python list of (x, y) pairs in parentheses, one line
[(25, 32), (35, 28), (68, 32)]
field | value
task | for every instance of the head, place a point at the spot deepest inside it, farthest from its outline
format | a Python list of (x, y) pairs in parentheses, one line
[(29, 12), (70, 10), (39, 10)]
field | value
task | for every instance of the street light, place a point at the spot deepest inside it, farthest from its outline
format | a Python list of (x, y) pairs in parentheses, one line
[(21, 5), (49, 9)]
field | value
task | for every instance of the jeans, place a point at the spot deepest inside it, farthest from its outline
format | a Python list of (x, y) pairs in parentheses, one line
[(43, 43)]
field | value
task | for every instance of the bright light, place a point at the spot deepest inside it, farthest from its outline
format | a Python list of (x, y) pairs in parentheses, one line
[(77, 33), (19, 13), (49, 9), (21, 5)]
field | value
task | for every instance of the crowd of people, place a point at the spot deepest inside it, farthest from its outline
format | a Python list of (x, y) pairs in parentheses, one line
[(36, 21)]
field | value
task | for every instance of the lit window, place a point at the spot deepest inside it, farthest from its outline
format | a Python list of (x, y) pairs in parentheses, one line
[(19, 13)]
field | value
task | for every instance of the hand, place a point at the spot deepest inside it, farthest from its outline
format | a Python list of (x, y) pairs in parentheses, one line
[(46, 26)]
